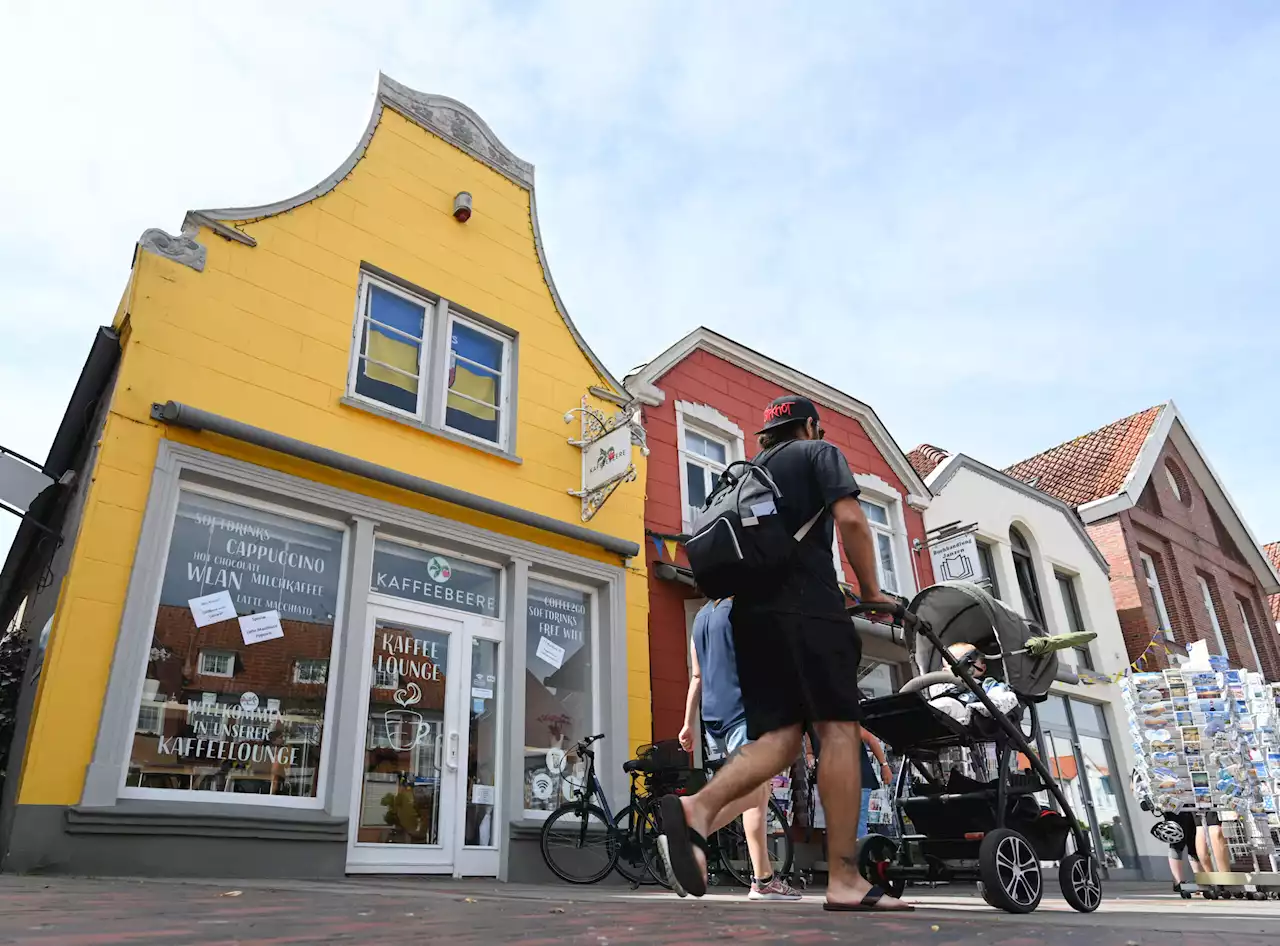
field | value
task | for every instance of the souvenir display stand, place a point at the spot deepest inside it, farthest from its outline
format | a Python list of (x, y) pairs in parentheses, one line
[(1208, 741)]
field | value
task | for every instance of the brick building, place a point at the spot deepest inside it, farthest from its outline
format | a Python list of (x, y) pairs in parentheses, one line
[(1184, 566), (704, 398), (1273, 554)]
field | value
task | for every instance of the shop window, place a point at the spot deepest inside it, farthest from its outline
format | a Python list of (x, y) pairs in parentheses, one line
[(882, 534), (560, 692), (248, 598), (1151, 575), (1025, 572), (217, 663), (1075, 620), (393, 364)]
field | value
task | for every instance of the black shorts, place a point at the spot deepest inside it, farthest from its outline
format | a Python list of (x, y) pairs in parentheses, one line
[(1187, 820), (794, 669)]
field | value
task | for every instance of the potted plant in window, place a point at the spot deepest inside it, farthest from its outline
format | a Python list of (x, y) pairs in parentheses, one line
[(151, 685)]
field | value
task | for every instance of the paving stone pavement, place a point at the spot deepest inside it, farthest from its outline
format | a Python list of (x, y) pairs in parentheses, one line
[(387, 911)]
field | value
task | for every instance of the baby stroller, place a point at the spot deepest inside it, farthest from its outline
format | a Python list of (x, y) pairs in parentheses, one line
[(986, 826)]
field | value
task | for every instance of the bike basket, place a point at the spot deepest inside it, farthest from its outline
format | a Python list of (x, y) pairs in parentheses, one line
[(665, 754)]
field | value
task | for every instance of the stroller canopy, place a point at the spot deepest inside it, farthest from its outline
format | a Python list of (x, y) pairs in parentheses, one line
[(961, 613)]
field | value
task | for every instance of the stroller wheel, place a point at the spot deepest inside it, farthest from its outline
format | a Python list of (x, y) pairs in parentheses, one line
[(1081, 887), (876, 855), (1010, 871)]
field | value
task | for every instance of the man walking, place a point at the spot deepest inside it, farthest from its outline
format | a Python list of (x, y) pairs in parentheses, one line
[(717, 694), (797, 656)]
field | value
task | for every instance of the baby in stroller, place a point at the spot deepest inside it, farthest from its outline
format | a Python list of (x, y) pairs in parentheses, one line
[(958, 701)]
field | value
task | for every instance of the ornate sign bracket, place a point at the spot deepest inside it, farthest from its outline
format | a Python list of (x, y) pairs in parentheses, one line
[(606, 444)]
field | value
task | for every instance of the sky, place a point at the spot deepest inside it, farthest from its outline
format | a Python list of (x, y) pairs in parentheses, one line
[(1000, 224)]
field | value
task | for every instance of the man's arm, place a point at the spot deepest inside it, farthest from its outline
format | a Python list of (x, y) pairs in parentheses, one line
[(859, 547), (693, 701)]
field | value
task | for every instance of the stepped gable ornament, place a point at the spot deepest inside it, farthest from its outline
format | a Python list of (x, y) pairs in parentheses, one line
[(606, 452)]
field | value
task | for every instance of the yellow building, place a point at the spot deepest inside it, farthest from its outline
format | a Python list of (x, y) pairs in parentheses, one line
[(324, 601)]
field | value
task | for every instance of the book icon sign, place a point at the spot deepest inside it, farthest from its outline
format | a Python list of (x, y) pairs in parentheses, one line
[(956, 565)]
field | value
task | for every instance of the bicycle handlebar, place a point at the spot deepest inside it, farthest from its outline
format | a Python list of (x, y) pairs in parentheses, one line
[(585, 743)]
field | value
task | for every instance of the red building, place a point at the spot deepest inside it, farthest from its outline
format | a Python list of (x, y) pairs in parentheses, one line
[(1184, 566), (704, 398)]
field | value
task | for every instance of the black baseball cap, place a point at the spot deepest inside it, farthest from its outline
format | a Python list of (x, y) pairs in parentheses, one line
[(788, 409)]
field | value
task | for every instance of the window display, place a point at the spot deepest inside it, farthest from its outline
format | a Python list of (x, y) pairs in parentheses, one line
[(559, 692), (248, 597)]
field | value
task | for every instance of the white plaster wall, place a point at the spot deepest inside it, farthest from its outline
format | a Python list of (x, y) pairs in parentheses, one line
[(971, 497)]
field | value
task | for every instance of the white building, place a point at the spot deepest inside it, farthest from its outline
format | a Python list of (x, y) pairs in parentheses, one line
[(1039, 560)]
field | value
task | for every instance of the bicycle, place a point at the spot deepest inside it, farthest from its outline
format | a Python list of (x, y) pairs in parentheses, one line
[(589, 841)]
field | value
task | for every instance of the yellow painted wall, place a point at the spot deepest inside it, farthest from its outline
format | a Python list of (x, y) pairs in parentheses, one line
[(263, 336)]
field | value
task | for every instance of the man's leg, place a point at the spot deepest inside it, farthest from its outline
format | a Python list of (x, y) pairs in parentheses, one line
[(840, 785), (1218, 841), (1175, 867), (1202, 848), (739, 781)]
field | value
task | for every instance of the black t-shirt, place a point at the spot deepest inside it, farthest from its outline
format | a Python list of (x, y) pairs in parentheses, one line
[(810, 475)]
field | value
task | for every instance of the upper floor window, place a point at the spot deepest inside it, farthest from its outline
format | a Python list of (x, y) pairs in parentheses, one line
[(1248, 632), (1157, 596), (882, 532), (1024, 570), (704, 461), (459, 383), (217, 663), (708, 442), (1206, 594), (988, 562), (1178, 484), (1075, 619)]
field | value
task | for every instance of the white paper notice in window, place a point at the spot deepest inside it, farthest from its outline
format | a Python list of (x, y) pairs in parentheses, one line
[(210, 609), (550, 651), (256, 628)]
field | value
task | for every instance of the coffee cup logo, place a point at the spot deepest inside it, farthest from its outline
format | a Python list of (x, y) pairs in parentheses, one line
[(405, 728)]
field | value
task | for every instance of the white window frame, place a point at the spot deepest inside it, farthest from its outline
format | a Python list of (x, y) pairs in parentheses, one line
[(1173, 482), (297, 667), (593, 611), (158, 707), (228, 493), (425, 361), (1206, 595), (1248, 633), (231, 663), (875, 490), (504, 399), (1153, 584), (708, 422)]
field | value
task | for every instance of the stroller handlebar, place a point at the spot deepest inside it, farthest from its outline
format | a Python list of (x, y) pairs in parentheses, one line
[(897, 611)]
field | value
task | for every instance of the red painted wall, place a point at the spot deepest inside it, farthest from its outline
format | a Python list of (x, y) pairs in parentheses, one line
[(741, 396)]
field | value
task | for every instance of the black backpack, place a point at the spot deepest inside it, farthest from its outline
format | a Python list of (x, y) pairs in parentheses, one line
[(739, 542)]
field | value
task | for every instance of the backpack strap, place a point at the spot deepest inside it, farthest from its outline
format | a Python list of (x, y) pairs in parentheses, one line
[(804, 529)]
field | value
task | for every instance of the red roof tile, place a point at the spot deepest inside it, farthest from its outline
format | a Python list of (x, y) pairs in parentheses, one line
[(925, 458), (1273, 553), (1092, 466)]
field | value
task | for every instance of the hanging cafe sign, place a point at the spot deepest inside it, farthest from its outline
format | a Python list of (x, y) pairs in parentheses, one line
[(606, 452)]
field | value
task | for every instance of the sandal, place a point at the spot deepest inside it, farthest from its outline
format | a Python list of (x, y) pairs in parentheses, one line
[(868, 904), (676, 844)]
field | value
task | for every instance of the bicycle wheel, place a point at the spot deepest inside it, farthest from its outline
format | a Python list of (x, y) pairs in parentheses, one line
[(579, 844), (639, 861), (736, 859)]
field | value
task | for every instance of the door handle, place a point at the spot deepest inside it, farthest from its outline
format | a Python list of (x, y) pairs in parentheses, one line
[(451, 759)]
